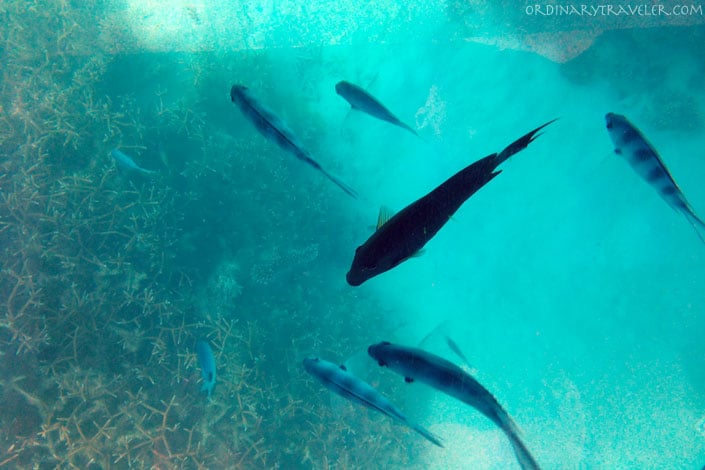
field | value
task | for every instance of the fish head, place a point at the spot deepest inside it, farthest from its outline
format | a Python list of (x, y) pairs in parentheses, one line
[(623, 134), (378, 352), (341, 86), (367, 264), (237, 92), (311, 364)]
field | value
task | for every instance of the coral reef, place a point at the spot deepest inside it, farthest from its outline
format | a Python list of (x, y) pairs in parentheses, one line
[(101, 271)]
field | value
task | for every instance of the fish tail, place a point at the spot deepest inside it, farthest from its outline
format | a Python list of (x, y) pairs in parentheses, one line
[(697, 224), (350, 191), (408, 128), (427, 434), (147, 172), (520, 144), (524, 457)]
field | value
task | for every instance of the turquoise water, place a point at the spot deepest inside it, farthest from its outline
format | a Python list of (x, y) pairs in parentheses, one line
[(576, 293)]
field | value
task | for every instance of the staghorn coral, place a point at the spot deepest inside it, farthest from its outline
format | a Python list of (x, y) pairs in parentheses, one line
[(96, 321)]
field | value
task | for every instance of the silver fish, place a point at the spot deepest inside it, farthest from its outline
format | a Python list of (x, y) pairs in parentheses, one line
[(417, 364), (342, 382), (273, 128), (207, 362), (631, 144), (128, 163), (361, 100)]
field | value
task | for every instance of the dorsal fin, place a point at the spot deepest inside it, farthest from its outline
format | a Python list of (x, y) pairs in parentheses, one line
[(385, 213)]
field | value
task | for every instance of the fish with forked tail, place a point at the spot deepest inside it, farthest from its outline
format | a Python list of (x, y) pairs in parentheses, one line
[(273, 128), (342, 382), (361, 100), (631, 144), (402, 236), (417, 364)]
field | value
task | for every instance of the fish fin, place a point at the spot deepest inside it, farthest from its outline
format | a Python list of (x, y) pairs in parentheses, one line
[(349, 190), (697, 224), (524, 457), (385, 213), (427, 434), (408, 128), (521, 143), (408, 380)]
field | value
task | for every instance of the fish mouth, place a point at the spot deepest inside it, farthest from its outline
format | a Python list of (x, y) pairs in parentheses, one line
[(353, 279)]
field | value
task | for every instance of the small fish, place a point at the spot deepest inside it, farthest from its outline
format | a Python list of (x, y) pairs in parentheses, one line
[(342, 382), (273, 128), (361, 100), (403, 235), (128, 163), (631, 144), (207, 363), (417, 364)]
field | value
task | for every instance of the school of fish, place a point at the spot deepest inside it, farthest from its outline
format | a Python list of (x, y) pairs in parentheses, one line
[(403, 235)]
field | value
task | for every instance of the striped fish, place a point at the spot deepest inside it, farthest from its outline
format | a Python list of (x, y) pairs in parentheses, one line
[(417, 364), (342, 382), (631, 144), (273, 128)]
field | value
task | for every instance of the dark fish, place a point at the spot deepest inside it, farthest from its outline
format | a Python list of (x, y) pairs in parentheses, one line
[(403, 235), (631, 144), (207, 363), (417, 364), (342, 382), (272, 128), (361, 100)]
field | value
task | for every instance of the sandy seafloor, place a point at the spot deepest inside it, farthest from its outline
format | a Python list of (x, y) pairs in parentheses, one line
[(575, 291)]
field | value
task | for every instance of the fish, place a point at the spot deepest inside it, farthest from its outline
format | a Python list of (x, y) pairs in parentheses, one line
[(128, 163), (339, 380), (361, 100), (631, 144), (207, 363), (273, 128), (417, 364), (403, 235)]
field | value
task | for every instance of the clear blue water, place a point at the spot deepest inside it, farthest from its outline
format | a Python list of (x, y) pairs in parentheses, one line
[(576, 293)]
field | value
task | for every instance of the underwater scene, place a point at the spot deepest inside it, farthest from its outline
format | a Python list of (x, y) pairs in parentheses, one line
[(438, 234)]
